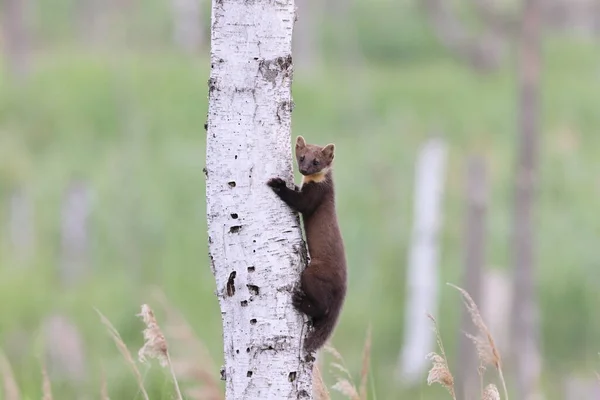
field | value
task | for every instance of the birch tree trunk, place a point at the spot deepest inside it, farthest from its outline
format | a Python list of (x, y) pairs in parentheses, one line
[(255, 241)]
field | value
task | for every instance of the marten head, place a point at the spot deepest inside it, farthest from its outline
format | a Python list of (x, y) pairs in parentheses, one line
[(313, 161)]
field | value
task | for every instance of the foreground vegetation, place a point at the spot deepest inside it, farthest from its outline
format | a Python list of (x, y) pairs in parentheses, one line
[(132, 128)]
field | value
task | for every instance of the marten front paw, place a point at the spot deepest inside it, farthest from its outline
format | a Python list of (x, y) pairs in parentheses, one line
[(276, 184)]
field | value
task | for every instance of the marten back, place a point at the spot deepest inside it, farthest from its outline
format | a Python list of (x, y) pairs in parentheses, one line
[(328, 258), (323, 236)]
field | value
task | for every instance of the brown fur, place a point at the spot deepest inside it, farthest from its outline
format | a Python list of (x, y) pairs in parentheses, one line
[(323, 282)]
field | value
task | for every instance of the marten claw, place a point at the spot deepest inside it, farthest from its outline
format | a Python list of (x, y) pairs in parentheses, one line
[(276, 184)]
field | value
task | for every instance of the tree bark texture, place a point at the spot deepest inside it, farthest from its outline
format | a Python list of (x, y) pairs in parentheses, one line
[(525, 311), (255, 241)]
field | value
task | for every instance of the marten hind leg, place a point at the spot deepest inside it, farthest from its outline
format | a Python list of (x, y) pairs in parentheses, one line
[(302, 303), (313, 297)]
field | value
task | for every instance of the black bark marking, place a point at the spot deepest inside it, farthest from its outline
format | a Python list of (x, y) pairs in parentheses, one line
[(231, 284), (292, 376), (234, 216), (212, 261), (212, 85), (235, 229), (251, 269), (253, 321), (244, 303), (231, 184), (249, 374), (253, 289)]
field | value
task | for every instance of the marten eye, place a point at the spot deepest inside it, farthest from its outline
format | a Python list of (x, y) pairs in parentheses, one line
[(301, 158), (315, 162)]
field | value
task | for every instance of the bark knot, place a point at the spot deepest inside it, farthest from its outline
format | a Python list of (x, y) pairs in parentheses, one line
[(271, 69)]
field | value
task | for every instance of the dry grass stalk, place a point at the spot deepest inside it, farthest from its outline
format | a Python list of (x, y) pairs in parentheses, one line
[(491, 393), (344, 383), (320, 391), (597, 374), (155, 345), (484, 342), (125, 352), (46, 386), (103, 386), (365, 365), (11, 389), (440, 372), (193, 363)]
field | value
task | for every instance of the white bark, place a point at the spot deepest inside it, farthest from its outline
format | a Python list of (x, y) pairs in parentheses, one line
[(422, 274), (255, 241)]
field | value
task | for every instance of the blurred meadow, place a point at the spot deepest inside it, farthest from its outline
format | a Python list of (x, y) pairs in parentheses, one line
[(102, 197)]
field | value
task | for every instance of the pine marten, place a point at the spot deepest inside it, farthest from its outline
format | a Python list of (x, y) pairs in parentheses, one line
[(323, 283)]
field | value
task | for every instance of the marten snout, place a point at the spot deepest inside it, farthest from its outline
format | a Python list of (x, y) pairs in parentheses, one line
[(304, 171)]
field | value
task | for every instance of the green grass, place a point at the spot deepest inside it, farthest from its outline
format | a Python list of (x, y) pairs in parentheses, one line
[(132, 127)]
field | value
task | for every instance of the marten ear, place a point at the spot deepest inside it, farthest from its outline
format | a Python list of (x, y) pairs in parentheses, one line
[(300, 142), (328, 151)]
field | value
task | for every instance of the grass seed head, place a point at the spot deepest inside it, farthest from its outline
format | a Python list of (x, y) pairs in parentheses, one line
[(491, 393), (155, 345)]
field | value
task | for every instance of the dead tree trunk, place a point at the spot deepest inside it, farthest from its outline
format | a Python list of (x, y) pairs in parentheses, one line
[(422, 275), (187, 25), (525, 312), (15, 36), (21, 227), (74, 233), (476, 198), (255, 241), (483, 51), (65, 348), (306, 42)]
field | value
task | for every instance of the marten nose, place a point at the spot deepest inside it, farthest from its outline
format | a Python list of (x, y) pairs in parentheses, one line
[(303, 171)]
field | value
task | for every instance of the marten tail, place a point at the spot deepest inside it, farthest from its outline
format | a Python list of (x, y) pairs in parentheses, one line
[(321, 331)]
